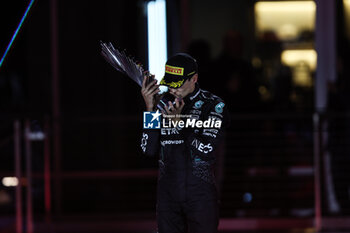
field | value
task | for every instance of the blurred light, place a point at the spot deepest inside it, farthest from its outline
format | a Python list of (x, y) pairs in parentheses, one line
[(264, 93), (10, 181), (346, 3), (286, 18), (294, 57), (286, 6), (157, 37), (347, 16), (301, 171), (302, 75), (302, 62), (247, 197), (36, 136), (256, 62)]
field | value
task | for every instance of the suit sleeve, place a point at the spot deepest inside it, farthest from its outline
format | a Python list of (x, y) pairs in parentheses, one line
[(203, 142), (150, 142)]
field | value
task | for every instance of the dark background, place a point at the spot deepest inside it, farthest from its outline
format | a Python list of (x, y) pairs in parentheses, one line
[(100, 112)]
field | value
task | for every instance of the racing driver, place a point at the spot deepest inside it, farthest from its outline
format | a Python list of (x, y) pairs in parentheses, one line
[(187, 199)]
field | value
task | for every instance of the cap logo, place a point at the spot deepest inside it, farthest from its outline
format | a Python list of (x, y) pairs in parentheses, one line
[(174, 70), (172, 84)]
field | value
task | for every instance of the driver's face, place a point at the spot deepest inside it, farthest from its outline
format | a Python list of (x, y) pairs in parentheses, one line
[(182, 91)]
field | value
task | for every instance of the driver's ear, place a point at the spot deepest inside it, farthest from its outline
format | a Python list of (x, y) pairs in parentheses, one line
[(194, 78)]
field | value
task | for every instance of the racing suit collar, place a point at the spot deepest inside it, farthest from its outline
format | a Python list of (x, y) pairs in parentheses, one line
[(190, 97)]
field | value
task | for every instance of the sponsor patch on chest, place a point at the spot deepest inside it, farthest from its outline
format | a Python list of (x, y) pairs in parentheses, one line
[(201, 147), (169, 131)]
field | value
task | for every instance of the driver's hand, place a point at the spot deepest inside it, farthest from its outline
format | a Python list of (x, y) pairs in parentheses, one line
[(148, 92), (176, 109)]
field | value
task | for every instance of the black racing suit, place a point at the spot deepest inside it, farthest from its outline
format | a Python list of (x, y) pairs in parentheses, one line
[(186, 196)]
